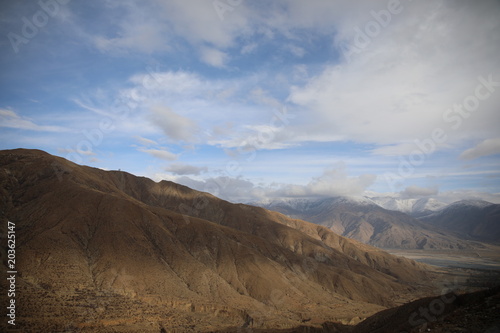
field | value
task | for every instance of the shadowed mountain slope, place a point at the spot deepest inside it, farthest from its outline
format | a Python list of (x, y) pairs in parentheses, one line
[(103, 251), (472, 219), (472, 312)]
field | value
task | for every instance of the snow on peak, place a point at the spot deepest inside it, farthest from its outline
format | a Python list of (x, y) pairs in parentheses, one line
[(359, 200), (471, 203), (410, 206), (304, 204)]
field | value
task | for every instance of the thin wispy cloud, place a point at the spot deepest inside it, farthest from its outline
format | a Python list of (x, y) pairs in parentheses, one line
[(11, 119), (160, 153)]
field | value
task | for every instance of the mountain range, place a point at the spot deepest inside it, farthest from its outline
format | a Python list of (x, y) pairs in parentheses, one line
[(106, 251), (471, 219), (363, 219), (414, 207)]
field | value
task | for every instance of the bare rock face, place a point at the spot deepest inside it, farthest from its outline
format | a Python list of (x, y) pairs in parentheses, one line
[(102, 251)]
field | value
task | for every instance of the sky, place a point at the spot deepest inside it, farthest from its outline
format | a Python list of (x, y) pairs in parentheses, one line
[(254, 100)]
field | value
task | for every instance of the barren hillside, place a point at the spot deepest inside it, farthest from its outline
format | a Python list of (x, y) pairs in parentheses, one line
[(105, 251)]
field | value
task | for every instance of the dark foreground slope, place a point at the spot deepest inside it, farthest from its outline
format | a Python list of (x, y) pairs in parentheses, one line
[(475, 312), (102, 251)]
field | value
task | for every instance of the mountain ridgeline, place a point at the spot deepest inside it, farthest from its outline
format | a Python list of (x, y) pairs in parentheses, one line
[(364, 220), (102, 251), (471, 219)]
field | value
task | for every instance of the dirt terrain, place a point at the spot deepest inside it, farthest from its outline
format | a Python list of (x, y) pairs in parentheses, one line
[(103, 251), (106, 251)]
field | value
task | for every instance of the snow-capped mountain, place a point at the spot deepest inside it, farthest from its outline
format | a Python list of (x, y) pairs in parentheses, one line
[(312, 202), (297, 207), (413, 207), (362, 219)]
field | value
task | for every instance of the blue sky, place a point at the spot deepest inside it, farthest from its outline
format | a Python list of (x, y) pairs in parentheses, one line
[(261, 99)]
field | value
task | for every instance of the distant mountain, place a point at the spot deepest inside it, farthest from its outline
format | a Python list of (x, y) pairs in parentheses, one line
[(363, 219), (413, 207), (472, 219), (103, 251)]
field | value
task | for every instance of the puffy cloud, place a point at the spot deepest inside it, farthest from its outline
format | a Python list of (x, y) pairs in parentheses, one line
[(399, 86), (333, 182), (484, 148)]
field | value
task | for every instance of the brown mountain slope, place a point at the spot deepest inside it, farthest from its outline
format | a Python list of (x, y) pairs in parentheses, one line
[(106, 251)]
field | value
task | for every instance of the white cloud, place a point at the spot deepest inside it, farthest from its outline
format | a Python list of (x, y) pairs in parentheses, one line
[(398, 88), (138, 29), (464, 194), (248, 48), (333, 182), (417, 191), (145, 141), (173, 84), (198, 21), (143, 37), (393, 90), (297, 51), (219, 112), (153, 26), (213, 57), (175, 126), (68, 151), (395, 150), (160, 153), (484, 148), (445, 196), (234, 189), (11, 119), (184, 169)]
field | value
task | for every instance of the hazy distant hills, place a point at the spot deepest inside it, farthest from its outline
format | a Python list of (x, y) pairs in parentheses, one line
[(102, 251), (472, 219), (365, 220)]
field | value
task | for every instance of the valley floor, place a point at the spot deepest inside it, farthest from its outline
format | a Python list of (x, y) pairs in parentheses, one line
[(481, 259)]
